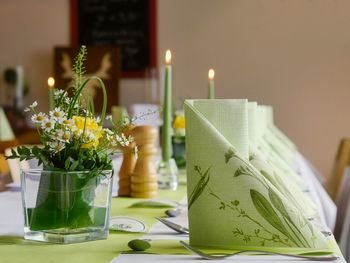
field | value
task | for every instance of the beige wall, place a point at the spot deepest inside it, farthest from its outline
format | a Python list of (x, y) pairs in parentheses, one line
[(28, 31), (292, 54)]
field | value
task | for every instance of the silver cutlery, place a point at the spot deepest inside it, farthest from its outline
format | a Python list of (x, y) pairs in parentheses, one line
[(330, 257), (178, 228)]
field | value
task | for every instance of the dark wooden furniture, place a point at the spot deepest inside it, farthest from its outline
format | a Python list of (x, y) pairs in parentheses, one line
[(341, 162)]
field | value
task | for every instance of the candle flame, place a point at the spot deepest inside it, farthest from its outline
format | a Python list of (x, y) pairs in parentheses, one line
[(168, 57), (211, 74), (51, 82)]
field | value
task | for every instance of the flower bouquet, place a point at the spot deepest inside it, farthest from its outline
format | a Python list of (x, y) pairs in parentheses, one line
[(69, 200), (178, 140)]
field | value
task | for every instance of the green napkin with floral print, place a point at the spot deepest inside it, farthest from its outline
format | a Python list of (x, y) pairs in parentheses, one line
[(274, 138), (275, 131), (277, 151), (266, 163), (230, 201)]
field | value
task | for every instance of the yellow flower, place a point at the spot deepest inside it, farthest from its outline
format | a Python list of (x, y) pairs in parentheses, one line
[(179, 122), (90, 123), (93, 132)]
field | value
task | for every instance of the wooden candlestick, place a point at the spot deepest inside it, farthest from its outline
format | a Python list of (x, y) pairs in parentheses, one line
[(144, 182), (127, 166)]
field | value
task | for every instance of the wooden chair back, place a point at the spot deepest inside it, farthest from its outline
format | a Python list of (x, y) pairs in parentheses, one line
[(338, 186), (342, 160)]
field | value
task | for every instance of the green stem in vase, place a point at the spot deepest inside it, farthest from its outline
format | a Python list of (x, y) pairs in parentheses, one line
[(79, 91), (65, 200)]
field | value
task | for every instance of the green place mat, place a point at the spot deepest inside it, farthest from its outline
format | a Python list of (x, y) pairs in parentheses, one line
[(16, 249)]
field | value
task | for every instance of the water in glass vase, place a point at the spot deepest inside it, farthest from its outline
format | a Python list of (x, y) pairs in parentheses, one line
[(66, 207)]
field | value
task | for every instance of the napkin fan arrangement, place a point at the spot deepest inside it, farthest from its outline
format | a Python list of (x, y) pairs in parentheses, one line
[(239, 193)]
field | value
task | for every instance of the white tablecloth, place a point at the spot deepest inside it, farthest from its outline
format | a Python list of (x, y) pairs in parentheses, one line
[(326, 207), (11, 218)]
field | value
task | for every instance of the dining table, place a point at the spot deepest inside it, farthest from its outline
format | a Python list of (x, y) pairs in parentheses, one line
[(165, 242)]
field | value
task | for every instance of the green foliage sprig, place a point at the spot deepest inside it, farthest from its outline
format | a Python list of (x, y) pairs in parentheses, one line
[(78, 67)]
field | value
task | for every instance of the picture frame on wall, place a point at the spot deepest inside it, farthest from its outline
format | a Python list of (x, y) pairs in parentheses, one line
[(127, 24), (104, 62)]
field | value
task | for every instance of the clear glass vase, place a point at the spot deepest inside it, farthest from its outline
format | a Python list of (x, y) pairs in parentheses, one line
[(167, 174), (66, 207)]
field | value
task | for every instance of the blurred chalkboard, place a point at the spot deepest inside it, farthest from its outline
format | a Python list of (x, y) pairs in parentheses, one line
[(128, 24)]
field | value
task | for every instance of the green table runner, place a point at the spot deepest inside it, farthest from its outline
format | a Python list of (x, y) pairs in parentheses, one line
[(16, 249)]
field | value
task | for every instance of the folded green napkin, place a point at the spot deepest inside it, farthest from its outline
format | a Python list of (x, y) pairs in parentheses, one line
[(268, 163), (276, 152), (275, 131), (230, 202), (275, 139), (283, 183)]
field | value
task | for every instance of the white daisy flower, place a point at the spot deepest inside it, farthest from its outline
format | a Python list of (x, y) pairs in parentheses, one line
[(130, 138), (67, 100), (122, 140), (109, 134), (64, 136), (113, 142), (58, 92), (57, 114), (109, 118), (73, 128), (98, 119), (38, 118), (26, 109), (33, 105), (90, 136), (118, 138), (58, 134), (47, 125), (108, 131), (68, 122), (79, 132), (56, 146)]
